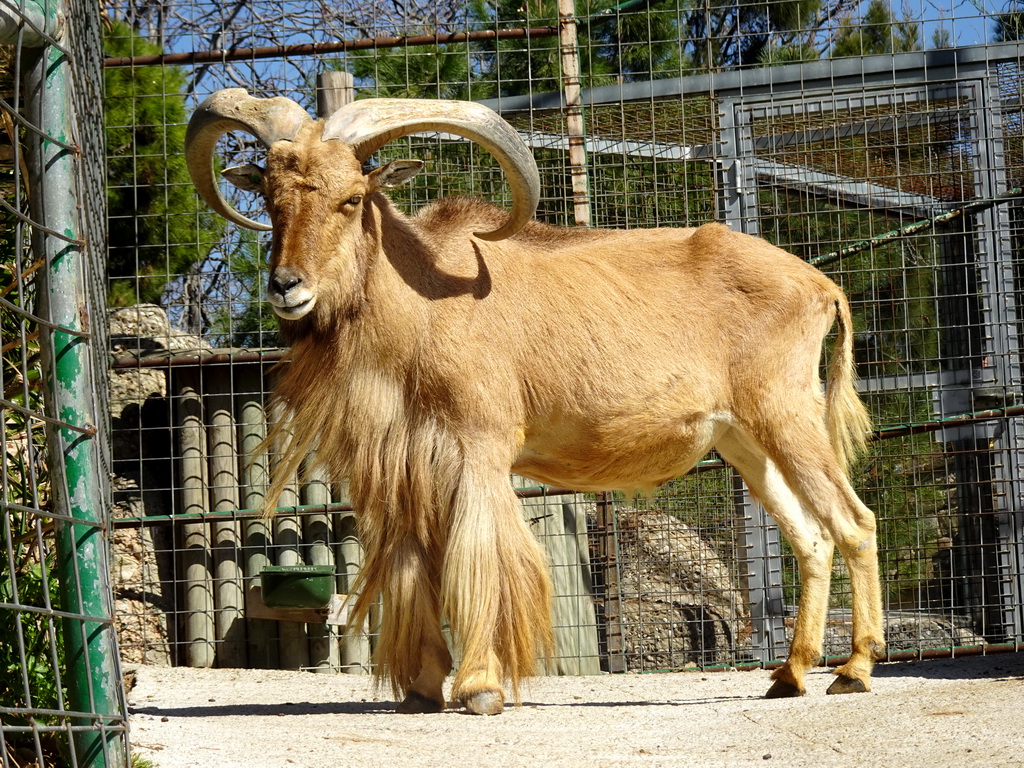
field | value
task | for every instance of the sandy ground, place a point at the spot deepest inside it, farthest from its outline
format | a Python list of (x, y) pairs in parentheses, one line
[(964, 712)]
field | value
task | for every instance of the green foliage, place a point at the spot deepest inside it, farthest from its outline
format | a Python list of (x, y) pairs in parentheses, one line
[(789, 54), (28, 684), (639, 45), (158, 229), (942, 37), (1009, 26), (622, 47), (728, 35), (877, 32), (245, 321), (26, 578), (440, 72)]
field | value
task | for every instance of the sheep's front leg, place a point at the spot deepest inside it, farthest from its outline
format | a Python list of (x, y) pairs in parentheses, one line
[(411, 649), (496, 590), (478, 685), (425, 694)]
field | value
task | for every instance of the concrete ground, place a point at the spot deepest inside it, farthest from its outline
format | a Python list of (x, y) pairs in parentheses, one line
[(963, 712)]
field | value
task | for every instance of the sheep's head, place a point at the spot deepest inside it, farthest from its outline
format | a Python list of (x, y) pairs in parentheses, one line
[(313, 182)]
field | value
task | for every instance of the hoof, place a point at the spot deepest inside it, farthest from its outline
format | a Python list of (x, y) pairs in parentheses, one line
[(782, 689), (485, 703), (418, 704), (844, 684)]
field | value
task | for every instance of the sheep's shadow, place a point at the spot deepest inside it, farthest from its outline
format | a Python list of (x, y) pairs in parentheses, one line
[(1002, 665), (996, 665), (283, 709), (294, 709)]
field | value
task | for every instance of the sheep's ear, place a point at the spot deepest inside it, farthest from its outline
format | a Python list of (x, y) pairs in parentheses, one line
[(248, 177), (394, 173)]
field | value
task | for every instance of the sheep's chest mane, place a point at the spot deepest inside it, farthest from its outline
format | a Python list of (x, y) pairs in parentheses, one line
[(364, 426)]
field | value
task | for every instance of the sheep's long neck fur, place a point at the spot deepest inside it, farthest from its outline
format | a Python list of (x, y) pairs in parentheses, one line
[(424, 512)]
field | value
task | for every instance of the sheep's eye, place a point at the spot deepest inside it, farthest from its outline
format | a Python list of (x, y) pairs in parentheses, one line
[(354, 200)]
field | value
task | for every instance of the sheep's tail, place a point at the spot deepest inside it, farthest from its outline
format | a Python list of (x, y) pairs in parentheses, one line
[(849, 424)]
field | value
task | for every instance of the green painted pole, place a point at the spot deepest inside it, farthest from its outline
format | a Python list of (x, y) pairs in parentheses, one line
[(92, 674)]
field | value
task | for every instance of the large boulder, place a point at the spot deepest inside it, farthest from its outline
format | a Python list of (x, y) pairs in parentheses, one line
[(680, 603)]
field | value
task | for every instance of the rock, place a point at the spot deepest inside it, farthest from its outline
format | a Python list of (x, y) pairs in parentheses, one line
[(142, 571), (680, 604)]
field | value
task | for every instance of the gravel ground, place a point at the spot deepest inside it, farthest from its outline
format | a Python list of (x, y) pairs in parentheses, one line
[(964, 712)]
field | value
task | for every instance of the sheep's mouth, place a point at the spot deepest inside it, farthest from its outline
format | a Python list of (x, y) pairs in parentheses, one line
[(294, 311)]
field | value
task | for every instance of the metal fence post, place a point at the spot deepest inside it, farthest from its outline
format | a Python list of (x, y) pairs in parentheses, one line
[(80, 493)]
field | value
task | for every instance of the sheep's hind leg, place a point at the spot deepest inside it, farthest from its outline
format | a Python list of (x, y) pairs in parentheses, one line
[(812, 545), (854, 532), (804, 456)]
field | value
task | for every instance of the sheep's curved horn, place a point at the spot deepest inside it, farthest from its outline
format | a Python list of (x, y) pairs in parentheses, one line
[(232, 109), (368, 125)]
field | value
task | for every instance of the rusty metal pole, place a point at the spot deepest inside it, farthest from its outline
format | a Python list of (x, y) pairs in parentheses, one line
[(574, 123), (608, 562)]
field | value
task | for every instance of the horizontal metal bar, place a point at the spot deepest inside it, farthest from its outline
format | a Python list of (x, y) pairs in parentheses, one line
[(318, 509), (849, 191), (40, 321), (302, 509), (55, 613), (992, 414), (62, 713), (974, 206), (35, 224), (89, 431), (200, 358), (46, 514), (916, 67), (900, 382), (312, 49)]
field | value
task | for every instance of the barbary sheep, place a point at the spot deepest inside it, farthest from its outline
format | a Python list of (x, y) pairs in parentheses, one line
[(433, 355)]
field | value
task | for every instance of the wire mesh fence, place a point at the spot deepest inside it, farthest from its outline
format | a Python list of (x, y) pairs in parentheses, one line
[(883, 147), (61, 699)]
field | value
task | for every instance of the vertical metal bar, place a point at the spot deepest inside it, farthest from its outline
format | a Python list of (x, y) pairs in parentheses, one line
[(737, 191), (194, 546), (761, 574), (570, 55), (227, 538), (260, 633), (997, 282), (94, 678)]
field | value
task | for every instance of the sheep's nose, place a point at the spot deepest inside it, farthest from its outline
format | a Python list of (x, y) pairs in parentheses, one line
[(283, 280)]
